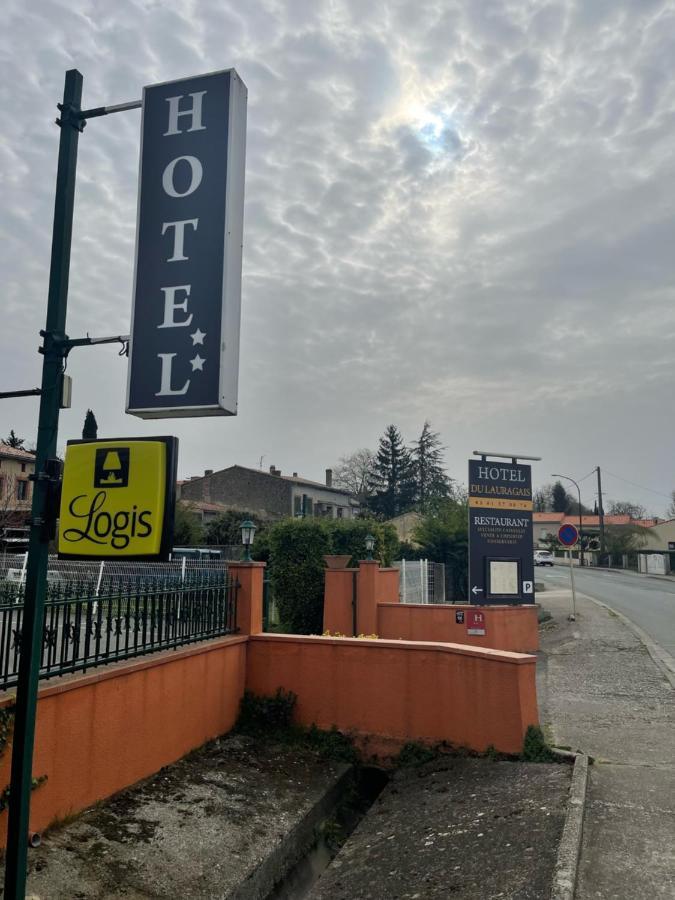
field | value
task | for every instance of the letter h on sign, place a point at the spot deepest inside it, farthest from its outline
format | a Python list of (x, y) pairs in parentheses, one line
[(184, 348)]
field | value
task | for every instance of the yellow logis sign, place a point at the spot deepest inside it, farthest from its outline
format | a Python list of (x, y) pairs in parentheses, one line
[(117, 498)]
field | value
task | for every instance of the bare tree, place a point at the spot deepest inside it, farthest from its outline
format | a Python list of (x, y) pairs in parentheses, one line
[(353, 471), (670, 512), (625, 508)]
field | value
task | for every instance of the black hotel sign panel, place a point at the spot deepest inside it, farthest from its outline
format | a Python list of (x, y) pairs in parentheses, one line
[(184, 350), (501, 559)]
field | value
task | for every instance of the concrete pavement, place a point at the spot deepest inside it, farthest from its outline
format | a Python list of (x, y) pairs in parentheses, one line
[(648, 600), (600, 691)]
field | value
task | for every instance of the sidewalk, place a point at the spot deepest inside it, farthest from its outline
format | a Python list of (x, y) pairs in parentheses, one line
[(600, 691)]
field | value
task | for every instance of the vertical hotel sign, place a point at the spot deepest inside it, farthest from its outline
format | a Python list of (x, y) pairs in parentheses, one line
[(184, 348), (501, 559)]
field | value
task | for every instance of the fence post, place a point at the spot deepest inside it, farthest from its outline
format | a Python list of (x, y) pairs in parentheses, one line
[(250, 576), (402, 590)]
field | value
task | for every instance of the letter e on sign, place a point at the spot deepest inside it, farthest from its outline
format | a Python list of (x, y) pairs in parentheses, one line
[(184, 347)]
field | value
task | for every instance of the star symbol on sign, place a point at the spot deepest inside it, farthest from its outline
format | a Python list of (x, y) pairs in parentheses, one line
[(197, 363), (198, 337)]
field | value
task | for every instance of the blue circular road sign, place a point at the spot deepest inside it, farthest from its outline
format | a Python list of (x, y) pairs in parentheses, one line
[(568, 535)]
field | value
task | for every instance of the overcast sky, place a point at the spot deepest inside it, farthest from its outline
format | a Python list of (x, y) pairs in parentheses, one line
[(459, 211)]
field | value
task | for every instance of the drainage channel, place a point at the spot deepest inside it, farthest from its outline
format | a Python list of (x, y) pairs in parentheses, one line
[(358, 791)]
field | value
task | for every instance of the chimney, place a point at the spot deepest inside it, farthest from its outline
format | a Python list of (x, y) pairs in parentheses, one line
[(329, 478), (295, 474), (274, 470), (208, 472)]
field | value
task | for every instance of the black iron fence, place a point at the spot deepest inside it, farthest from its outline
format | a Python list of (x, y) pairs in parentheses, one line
[(82, 631)]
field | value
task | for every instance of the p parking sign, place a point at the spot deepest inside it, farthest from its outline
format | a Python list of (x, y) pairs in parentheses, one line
[(117, 499)]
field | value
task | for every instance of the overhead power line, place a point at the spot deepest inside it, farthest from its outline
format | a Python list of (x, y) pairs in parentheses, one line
[(642, 487)]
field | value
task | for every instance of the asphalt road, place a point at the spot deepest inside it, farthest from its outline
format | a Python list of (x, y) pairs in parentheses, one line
[(649, 602)]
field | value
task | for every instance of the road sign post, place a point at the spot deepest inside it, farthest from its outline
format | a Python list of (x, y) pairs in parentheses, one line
[(568, 537)]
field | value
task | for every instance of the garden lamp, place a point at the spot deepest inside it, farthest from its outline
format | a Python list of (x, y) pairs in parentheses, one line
[(247, 535), (370, 546)]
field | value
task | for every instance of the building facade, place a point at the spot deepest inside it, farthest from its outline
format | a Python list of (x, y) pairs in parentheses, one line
[(16, 490), (270, 495)]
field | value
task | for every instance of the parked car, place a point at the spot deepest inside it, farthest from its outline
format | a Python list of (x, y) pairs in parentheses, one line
[(543, 558)]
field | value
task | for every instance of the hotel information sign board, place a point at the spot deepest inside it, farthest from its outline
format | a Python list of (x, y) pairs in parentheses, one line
[(117, 499), (184, 348), (501, 557)]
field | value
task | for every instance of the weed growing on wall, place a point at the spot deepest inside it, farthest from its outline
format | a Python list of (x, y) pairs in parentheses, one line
[(271, 718)]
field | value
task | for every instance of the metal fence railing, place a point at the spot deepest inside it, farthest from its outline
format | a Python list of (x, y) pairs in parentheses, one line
[(421, 581), (82, 630), (82, 578)]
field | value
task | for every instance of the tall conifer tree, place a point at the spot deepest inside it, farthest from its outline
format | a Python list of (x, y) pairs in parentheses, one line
[(392, 483), (90, 429), (431, 481)]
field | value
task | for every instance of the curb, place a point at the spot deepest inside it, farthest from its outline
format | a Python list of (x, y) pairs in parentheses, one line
[(569, 850)]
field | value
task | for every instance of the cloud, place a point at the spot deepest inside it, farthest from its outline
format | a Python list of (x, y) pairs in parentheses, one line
[(458, 211)]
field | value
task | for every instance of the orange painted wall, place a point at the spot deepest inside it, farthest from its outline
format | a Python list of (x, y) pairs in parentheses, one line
[(387, 586), (337, 604), (102, 732), (513, 628), (401, 691)]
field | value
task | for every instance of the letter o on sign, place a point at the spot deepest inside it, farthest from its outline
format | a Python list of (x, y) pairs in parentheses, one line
[(196, 173)]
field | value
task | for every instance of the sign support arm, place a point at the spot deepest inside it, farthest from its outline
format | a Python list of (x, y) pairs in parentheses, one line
[(36, 573)]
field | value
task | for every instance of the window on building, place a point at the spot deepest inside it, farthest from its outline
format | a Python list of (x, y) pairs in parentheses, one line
[(340, 512), (297, 505), (22, 490), (23, 467)]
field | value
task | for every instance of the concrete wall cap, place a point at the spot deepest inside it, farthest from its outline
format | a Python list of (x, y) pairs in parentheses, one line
[(506, 656)]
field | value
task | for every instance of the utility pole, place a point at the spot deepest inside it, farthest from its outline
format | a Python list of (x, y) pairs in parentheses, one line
[(601, 513), (53, 351)]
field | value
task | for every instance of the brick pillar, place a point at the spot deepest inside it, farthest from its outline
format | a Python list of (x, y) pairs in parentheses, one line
[(249, 596), (366, 596)]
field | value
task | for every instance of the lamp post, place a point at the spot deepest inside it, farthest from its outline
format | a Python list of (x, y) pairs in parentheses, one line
[(581, 543), (247, 535), (370, 546)]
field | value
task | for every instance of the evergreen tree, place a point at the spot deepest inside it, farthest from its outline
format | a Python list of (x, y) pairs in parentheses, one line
[(561, 501), (90, 429), (431, 481), (14, 441), (392, 482)]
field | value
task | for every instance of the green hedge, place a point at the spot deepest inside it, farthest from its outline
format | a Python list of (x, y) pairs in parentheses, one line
[(296, 559)]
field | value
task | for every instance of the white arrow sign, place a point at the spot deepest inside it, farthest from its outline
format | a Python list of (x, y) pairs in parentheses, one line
[(476, 590)]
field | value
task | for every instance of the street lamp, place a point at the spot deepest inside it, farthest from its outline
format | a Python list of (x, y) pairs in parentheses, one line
[(370, 546), (247, 535), (581, 543)]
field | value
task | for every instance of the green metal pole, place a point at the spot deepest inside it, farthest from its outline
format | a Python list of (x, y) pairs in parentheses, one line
[(38, 548)]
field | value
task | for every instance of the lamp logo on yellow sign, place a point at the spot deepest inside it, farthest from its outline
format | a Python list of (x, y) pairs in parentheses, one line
[(117, 498)]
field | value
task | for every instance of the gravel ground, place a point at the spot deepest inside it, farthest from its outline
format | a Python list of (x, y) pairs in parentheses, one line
[(197, 829), (470, 829)]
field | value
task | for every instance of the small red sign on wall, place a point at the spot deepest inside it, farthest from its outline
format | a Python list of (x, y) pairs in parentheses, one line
[(475, 621)]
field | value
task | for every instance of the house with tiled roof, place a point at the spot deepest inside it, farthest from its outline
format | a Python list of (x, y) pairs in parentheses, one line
[(270, 495), (546, 524)]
